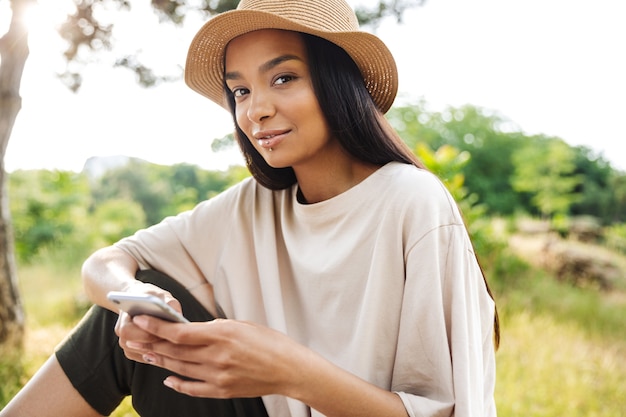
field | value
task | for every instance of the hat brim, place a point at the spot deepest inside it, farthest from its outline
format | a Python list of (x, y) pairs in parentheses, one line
[(204, 69)]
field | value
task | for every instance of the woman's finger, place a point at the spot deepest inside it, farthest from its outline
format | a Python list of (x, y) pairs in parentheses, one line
[(179, 333), (194, 388)]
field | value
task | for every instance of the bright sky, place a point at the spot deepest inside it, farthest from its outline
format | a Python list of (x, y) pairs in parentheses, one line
[(556, 67)]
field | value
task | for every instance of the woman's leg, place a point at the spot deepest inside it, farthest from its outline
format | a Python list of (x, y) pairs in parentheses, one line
[(91, 365), (49, 393)]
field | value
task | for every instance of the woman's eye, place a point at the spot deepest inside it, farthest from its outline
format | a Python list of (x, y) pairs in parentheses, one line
[(283, 79), (240, 92)]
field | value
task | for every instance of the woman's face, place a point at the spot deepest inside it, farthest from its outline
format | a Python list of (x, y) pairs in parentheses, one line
[(275, 106)]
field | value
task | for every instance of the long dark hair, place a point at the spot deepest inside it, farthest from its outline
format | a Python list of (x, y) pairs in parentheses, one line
[(352, 117)]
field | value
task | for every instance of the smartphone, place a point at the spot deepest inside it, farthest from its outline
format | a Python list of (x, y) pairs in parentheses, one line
[(137, 304)]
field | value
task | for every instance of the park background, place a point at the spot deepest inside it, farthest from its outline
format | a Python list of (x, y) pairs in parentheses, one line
[(540, 178)]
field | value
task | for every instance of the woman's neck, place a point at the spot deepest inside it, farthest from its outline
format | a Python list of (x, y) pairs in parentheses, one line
[(331, 178)]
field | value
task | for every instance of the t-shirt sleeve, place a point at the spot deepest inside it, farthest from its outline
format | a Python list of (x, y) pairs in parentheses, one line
[(165, 247), (186, 246), (445, 359)]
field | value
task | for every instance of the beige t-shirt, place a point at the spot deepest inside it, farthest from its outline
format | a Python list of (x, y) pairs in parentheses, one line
[(381, 280)]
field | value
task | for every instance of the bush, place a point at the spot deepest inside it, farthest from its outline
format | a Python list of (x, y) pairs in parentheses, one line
[(615, 237), (11, 375)]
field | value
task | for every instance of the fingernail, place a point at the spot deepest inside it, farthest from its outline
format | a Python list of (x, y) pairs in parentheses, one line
[(149, 357), (168, 383)]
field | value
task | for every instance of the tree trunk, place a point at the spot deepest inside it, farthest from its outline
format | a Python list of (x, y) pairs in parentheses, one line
[(13, 55)]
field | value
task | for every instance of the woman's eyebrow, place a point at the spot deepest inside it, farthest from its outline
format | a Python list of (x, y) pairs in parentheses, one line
[(277, 61), (234, 75)]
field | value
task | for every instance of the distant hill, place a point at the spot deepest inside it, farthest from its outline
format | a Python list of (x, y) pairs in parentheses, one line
[(96, 166)]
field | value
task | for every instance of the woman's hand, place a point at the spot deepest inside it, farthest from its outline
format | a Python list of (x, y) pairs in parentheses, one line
[(127, 331), (236, 359), (221, 358)]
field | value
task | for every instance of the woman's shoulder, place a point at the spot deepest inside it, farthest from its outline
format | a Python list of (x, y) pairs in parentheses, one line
[(418, 190), (411, 180)]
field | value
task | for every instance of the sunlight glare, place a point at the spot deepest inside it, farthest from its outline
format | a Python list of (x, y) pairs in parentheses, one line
[(42, 20), (5, 16)]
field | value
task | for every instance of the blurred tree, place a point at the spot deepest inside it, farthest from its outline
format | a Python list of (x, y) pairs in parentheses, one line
[(85, 32), (115, 219), (13, 55), (415, 123), (617, 189), (235, 174), (597, 198), (137, 181), (488, 137), (545, 169), (159, 190), (48, 207), (69, 215), (492, 141)]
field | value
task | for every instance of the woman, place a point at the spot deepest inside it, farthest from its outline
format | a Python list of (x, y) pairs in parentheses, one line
[(342, 271)]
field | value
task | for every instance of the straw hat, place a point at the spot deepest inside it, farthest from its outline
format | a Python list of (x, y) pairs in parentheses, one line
[(332, 20)]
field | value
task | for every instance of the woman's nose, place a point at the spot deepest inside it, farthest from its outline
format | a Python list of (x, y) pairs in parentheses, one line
[(261, 107)]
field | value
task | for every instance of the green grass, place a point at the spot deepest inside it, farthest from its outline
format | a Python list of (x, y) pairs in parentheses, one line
[(49, 301), (12, 375), (563, 350), (53, 302), (599, 315), (550, 368)]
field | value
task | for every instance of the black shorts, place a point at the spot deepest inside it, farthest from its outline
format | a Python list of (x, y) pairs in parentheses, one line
[(95, 364)]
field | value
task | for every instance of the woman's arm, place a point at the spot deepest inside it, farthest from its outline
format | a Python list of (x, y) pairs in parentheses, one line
[(336, 392), (228, 359), (112, 269), (108, 269)]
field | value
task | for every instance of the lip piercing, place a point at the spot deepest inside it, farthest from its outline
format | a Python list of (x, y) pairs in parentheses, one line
[(271, 149), (267, 142)]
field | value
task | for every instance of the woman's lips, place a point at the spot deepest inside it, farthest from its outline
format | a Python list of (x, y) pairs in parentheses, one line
[(271, 140)]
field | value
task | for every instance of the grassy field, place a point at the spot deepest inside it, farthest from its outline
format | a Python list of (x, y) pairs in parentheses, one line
[(563, 350), (54, 302), (563, 353)]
